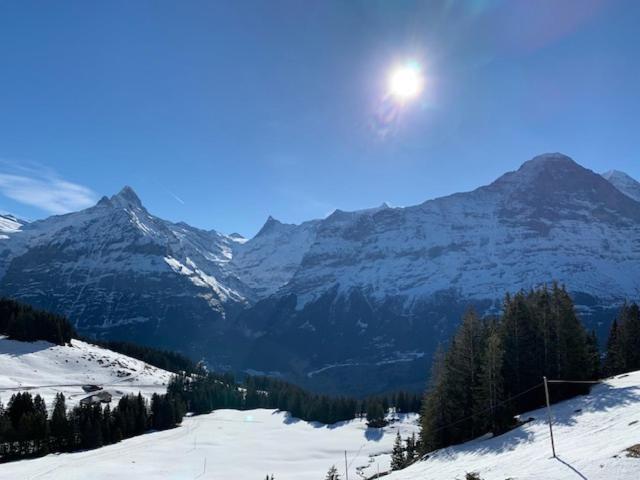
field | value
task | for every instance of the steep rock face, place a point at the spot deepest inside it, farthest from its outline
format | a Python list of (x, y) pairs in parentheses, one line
[(269, 260), (552, 219), (116, 270)]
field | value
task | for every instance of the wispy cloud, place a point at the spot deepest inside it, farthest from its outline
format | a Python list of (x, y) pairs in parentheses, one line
[(42, 188)]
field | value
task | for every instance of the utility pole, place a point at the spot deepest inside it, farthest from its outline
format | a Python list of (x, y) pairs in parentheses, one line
[(346, 467), (546, 393)]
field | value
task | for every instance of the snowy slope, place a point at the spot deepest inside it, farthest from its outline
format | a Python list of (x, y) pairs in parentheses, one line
[(624, 183), (591, 435), (28, 364), (236, 445), (9, 225)]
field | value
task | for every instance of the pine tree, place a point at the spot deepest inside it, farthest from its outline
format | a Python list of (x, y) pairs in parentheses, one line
[(40, 425), (436, 411), (463, 374), (397, 454), (593, 355), (59, 423), (490, 392), (630, 336), (332, 474), (614, 361)]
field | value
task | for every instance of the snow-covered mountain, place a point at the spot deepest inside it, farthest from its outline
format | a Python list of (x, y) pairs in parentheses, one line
[(116, 270), (551, 219), (348, 302), (9, 224), (269, 260), (624, 183), (376, 290)]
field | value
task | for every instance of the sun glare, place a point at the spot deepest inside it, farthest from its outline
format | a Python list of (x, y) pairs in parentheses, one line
[(406, 82)]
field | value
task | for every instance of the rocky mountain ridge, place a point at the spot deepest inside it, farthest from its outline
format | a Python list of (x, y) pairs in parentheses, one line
[(368, 291)]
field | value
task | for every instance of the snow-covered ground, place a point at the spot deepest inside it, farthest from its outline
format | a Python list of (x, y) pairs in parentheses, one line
[(33, 364), (230, 445), (591, 435)]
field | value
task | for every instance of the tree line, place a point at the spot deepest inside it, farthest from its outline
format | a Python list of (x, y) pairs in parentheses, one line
[(493, 368), (27, 431), (210, 391), (205, 393), (25, 323)]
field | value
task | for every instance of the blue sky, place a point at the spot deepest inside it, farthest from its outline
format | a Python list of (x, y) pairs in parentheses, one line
[(222, 113)]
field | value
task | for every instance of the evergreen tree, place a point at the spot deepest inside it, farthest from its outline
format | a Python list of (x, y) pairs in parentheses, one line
[(538, 334), (630, 336), (593, 356), (490, 392), (436, 412), (59, 423), (332, 474), (614, 360), (375, 414), (397, 454)]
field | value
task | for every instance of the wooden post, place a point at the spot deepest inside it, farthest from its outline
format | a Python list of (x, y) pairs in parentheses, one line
[(546, 393)]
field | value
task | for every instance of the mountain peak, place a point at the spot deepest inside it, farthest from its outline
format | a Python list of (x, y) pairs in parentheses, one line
[(547, 160), (126, 197), (270, 225), (542, 168), (624, 183)]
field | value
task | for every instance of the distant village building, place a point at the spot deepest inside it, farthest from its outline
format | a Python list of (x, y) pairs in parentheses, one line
[(99, 397)]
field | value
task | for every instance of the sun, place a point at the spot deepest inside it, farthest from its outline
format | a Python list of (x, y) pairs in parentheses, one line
[(406, 82)]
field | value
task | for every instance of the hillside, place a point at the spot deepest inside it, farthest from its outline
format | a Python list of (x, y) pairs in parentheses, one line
[(229, 444), (591, 435), (65, 368)]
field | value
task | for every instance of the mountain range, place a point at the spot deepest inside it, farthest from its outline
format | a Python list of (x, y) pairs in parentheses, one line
[(355, 302)]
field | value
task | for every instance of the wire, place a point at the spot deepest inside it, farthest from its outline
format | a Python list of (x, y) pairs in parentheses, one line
[(490, 408), (511, 398), (574, 381)]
